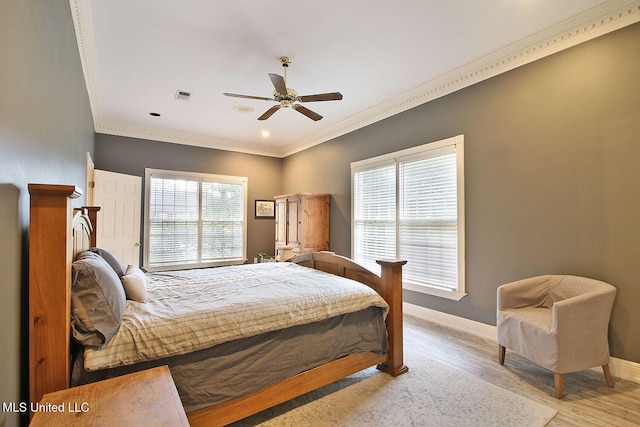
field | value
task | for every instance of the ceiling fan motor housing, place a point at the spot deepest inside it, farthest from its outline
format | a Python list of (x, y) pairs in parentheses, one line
[(285, 100)]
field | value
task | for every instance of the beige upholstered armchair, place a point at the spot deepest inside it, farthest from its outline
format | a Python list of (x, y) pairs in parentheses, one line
[(559, 322)]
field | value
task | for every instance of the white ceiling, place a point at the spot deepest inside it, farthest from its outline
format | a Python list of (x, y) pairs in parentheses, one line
[(383, 56)]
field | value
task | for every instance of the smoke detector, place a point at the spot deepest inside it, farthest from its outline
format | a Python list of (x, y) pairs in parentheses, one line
[(243, 108)]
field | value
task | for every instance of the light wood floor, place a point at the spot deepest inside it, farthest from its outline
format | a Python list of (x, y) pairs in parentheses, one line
[(587, 400)]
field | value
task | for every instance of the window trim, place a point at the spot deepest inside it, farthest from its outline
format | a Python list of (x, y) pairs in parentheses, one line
[(198, 175), (458, 143)]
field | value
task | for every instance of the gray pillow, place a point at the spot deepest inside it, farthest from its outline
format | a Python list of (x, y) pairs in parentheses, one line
[(97, 300), (112, 260)]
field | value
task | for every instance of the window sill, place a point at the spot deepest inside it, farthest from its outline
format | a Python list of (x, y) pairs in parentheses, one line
[(195, 265), (438, 292)]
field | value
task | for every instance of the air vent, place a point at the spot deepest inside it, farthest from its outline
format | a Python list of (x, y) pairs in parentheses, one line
[(183, 95)]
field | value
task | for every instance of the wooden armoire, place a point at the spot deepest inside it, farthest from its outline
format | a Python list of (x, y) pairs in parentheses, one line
[(302, 223)]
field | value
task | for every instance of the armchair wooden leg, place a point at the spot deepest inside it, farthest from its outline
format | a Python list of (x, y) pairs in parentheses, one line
[(607, 375), (501, 352), (559, 382)]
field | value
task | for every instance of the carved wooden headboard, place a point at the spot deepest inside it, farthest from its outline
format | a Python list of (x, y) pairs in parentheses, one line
[(56, 234)]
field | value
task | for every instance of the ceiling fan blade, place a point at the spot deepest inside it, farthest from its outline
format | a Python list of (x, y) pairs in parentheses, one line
[(269, 112), (235, 95), (278, 83), (333, 96), (307, 112)]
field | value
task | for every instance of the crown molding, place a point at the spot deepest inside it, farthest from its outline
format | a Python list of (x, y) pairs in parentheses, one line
[(184, 138), (609, 16), (81, 15)]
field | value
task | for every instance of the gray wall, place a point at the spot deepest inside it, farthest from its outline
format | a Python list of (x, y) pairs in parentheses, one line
[(45, 132), (552, 151), (131, 156)]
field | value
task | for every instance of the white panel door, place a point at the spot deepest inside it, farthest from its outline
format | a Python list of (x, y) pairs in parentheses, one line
[(119, 197), (90, 181)]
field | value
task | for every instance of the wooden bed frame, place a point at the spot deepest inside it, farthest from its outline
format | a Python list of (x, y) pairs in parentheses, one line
[(57, 233)]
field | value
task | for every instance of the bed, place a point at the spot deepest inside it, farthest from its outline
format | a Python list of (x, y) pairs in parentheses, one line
[(352, 337)]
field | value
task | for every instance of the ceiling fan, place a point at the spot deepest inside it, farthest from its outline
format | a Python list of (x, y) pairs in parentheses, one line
[(287, 97)]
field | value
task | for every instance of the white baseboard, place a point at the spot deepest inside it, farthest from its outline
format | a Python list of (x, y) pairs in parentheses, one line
[(619, 367)]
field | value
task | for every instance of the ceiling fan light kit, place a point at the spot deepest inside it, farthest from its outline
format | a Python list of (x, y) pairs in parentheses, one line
[(287, 97)]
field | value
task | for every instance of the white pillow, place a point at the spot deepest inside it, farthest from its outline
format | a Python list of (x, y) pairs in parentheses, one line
[(135, 284)]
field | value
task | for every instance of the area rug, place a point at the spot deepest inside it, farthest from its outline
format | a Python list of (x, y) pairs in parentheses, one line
[(430, 394)]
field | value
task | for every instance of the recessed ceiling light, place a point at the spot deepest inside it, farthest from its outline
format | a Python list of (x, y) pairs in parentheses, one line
[(243, 108), (154, 114), (265, 133)]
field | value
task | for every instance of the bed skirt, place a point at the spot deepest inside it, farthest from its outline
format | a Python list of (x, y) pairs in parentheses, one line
[(240, 367)]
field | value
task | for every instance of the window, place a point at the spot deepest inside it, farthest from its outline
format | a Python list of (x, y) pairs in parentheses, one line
[(194, 220), (410, 205)]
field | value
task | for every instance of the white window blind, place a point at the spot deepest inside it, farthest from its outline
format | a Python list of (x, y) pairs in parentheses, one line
[(408, 205), (427, 224), (194, 220), (173, 221), (375, 214), (222, 221)]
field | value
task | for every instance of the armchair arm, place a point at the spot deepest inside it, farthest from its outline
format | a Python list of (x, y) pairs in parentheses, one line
[(530, 292), (581, 325), (583, 314)]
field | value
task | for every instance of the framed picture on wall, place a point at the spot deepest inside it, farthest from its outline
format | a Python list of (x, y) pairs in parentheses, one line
[(265, 209)]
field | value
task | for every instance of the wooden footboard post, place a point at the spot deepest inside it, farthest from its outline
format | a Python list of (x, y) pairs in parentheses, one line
[(391, 291), (50, 257)]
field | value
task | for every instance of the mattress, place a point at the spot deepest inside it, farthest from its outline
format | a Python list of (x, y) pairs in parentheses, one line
[(242, 366)]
